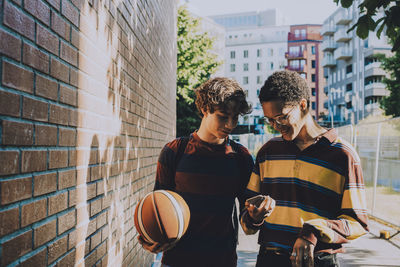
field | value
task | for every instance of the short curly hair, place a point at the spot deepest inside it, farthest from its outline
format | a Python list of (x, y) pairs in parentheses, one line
[(286, 86), (222, 94)]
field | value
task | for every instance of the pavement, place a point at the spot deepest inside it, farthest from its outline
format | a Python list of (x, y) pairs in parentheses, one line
[(366, 251)]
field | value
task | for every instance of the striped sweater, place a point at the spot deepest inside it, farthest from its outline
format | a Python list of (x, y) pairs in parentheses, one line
[(209, 178), (319, 193)]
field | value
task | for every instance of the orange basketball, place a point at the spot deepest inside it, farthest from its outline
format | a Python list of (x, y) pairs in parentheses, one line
[(162, 216)]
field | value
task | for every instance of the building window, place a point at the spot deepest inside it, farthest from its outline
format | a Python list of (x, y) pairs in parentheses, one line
[(349, 69), (246, 53), (313, 77), (245, 80), (270, 52), (272, 65), (245, 66), (303, 75), (259, 66), (349, 87), (258, 52), (233, 67), (313, 49), (313, 64), (313, 91), (259, 80), (313, 105), (303, 33), (233, 54), (258, 93), (246, 92)]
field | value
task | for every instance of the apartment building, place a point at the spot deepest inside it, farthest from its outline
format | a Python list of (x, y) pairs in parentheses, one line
[(304, 55), (255, 46), (353, 72)]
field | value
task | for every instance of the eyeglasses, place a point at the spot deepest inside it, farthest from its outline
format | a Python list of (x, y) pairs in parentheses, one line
[(281, 120)]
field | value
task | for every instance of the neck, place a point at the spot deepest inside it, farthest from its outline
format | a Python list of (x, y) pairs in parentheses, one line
[(206, 136), (310, 131)]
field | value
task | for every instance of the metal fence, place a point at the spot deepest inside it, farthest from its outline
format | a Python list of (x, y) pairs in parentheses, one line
[(378, 145)]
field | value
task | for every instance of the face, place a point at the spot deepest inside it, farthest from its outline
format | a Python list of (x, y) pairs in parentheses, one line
[(219, 124), (286, 119)]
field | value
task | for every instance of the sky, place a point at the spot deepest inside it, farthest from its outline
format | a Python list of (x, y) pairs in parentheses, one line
[(297, 11)]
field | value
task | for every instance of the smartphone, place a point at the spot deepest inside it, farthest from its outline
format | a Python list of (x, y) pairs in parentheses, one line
[(256, 201)]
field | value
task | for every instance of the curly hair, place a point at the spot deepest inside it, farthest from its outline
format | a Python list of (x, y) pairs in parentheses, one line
[(222, 94), (286, 86)]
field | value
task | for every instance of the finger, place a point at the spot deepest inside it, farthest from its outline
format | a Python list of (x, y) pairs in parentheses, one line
[(299, 258), (264, 202), (272, 205)]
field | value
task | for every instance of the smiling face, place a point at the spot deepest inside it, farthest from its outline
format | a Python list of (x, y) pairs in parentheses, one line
[(286, 119)]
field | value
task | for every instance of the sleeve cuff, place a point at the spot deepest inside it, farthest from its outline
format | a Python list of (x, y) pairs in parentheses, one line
[(309, 233)]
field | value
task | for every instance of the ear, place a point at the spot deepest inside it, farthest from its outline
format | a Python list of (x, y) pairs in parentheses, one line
[(204, 112), (303, 105)]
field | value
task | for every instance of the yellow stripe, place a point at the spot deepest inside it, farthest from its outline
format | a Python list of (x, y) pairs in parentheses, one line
[(291, 216), (304, 171), (254, 183), (354, 198)]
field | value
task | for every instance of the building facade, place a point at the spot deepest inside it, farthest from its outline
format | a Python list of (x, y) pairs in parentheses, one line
[(304, 55), (255, 46), (353, 72)]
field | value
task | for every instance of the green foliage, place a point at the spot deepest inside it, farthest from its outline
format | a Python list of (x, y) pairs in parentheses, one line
[(391, 103), (369, 22), (195, 65)]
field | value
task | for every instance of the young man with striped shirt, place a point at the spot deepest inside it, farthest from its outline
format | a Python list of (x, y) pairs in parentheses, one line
[(212, 171), (313, 175)]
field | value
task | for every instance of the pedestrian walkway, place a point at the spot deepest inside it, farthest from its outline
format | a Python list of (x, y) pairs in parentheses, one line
[(368, 250)]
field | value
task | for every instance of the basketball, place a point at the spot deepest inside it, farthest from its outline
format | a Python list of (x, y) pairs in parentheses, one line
[(162, 216)]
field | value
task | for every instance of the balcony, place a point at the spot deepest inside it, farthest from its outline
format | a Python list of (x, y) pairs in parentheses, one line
[(307, 36), (328, 62), (375, 89), (374, 69), (296, 55), (342, 35), (328, 29), (343, 53), (297, 68), (328, 46), (344, 17)]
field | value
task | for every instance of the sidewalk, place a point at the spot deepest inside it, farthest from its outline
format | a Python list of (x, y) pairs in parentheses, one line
[(368, 250)]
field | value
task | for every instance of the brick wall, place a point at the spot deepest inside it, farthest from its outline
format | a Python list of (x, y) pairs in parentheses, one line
[(87, 100)]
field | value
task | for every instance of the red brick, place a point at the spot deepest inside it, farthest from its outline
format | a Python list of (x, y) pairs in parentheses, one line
[(10, 45), (39, 259), (9, 162), (95, 207), (17, 133), (47, 40), (69, 54), (60, 26), (66, 179), (66, 221), (39, 10), (95, 240), (59, 70), (18, 21), (54, 3), (9, 221), (17, 78), (58, 203), (72, 198), (33, 161), (45, 183), (58, 159), (16, 247), (91, 191), (45, 135), (74, 37), (72, 158), (9, 103), (68, 95), (70, 12), (45, 233), (68, 260), (59, 115), (46, 87), (15, 190), (72, 239), (57, 249), (35, 58), (34, 109), (73, 117), (73, 79), (67, 137), (33, 212)]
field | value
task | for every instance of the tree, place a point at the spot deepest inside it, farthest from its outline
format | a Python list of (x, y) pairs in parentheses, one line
[(368, 21), (195, 65)]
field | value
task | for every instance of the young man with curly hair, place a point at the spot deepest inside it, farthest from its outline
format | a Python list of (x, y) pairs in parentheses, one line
[(212, 171), (313, 175)]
